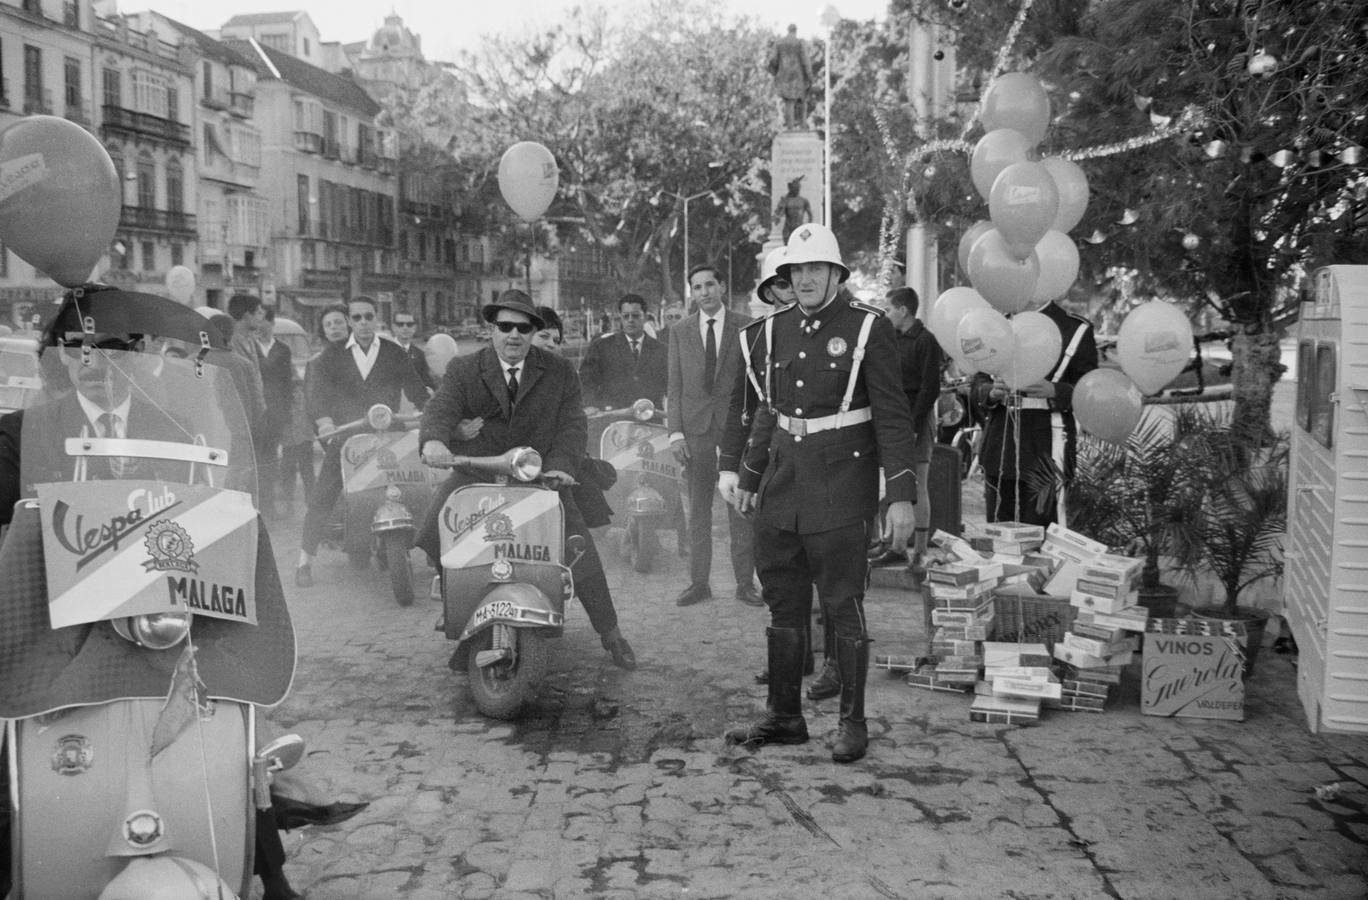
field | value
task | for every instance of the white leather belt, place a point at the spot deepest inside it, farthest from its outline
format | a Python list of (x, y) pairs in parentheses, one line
[(1034, 403), (801, 427)]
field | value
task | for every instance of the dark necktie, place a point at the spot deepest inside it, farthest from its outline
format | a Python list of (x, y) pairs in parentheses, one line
[(710, 357), (109, 428), (636, 350), (512, 384)]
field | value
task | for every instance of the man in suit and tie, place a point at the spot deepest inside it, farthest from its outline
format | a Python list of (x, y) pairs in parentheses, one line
[(704, 362), (620, 368), (346, 380), (405, 326)]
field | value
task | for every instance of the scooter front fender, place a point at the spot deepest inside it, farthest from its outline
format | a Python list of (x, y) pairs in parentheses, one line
[(519, 605)]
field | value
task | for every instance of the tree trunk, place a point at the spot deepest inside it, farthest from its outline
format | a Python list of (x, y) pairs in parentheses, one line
[(1257, 367)]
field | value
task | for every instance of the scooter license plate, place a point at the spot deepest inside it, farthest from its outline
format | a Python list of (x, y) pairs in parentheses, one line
[(499, 609)]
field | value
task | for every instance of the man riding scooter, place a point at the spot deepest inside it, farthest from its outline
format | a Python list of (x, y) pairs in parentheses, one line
[(47, 667), (519, 395)]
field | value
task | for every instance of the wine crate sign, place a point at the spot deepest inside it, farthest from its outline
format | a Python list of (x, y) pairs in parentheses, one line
[(1193, 668)]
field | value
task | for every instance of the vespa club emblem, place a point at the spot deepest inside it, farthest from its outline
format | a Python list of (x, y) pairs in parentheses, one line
[(386, 459), (498, 527), (359, 449), (836, 347), (170, 548), (645, 450)]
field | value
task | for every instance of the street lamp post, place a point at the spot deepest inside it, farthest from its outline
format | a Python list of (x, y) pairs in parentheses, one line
[(831, 17), (686, 201)]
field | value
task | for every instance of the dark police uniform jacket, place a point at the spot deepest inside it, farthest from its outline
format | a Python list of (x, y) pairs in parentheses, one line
[(1048, 429), (824, 479)]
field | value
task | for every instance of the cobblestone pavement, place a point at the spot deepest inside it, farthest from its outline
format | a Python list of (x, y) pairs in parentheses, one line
[(618, 784)]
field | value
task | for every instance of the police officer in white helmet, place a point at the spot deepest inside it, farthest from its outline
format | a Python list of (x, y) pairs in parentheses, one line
[(826, 370)]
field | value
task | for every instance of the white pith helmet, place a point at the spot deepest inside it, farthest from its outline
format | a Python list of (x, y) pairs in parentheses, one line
[(769, 271), (813, 243)]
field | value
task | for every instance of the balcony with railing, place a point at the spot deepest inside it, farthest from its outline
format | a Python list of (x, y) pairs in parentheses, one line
[(369, 159), (118, 118), (157, 219), (309, 141), (215, 99), (37, 102), (326, 279), (386, 165), (331, 149)]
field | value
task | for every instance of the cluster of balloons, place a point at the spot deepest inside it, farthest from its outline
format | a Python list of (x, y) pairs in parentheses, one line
[(1021, 258)]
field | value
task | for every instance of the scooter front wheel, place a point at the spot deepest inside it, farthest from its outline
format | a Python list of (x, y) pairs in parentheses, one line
[(396, 556), (502, 688)]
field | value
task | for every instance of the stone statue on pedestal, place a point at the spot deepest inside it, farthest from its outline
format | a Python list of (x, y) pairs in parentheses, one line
[(788, 63), (793, 209)]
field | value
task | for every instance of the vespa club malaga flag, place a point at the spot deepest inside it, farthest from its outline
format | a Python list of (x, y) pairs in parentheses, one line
[(128, 548)]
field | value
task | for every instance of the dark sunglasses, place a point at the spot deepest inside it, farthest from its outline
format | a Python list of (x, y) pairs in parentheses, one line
[(404, 324), (362, 317), (520, 327)]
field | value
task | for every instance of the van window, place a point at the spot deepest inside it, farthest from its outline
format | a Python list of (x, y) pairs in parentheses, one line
[(1323, 410)]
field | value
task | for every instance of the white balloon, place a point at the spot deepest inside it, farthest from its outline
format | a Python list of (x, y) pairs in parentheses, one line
[(180, 284)]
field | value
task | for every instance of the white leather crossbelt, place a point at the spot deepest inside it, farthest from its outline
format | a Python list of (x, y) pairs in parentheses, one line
[(799, 427), (1034, 403)]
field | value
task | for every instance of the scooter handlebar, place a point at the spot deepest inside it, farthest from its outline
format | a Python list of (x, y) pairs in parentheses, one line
[(520, 463)]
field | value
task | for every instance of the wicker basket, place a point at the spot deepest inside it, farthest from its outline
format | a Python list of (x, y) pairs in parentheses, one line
[(1023, 616)]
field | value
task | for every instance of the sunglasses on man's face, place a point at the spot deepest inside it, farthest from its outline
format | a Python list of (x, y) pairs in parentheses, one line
[(520, 327), (404, 324), (363, 317)]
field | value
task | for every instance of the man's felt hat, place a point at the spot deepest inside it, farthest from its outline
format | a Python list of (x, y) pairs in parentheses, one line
[(517, 301)]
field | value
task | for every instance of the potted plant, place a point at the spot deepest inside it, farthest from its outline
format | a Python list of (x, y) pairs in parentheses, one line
[(1235, 531), (1133, 497)]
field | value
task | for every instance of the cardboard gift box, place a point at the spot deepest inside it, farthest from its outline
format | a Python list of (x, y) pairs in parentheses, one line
[(1193, 668)]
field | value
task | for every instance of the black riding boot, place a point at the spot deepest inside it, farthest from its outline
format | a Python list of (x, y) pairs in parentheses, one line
[(783, 721), (827, 684), (852, 735)]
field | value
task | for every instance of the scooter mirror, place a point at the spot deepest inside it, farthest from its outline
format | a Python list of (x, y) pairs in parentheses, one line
[(284, 752), (524, 463)]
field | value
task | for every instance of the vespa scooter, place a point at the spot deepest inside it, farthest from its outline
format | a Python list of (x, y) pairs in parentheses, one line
[(504, 584), (385, 488), (637, 443), (141, 622)]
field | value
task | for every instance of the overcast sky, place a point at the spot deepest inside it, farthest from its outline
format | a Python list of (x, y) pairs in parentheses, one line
[(447, 26)]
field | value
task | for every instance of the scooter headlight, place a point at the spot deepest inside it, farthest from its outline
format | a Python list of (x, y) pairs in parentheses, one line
[(524, 463), (155, 631), (643, 409), (380, 417)]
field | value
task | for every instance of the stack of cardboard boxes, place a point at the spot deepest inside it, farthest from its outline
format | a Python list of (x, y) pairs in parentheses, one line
[(1012, 680)]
